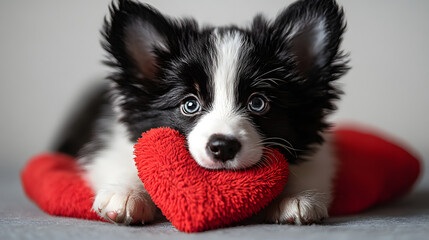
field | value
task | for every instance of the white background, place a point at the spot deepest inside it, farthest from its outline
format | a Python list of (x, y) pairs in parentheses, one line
[(50, 54)]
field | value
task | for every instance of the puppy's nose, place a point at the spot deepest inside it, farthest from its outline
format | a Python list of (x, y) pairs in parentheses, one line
[(223, 148)]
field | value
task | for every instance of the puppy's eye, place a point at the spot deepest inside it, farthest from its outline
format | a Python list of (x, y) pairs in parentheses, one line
[(190, 106), (257, 104)]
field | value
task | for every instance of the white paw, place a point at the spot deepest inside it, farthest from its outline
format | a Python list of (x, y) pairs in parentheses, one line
[(124, 207), (305, 208)]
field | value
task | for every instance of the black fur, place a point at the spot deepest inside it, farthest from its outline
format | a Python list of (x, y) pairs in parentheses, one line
[(81, 124), (301, 97), (300, 85), (154, 102)]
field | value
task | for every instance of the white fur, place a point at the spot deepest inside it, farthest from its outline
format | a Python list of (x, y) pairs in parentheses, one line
[(308, 193), (114, 163), (224, 116), (113, 176)]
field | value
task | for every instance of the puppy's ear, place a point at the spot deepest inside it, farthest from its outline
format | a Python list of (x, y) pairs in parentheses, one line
[(135, 36), (311, 32)]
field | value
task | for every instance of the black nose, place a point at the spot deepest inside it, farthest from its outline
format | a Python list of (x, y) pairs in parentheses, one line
[(223, 148)]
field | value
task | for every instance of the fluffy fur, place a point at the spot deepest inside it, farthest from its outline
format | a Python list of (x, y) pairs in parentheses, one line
[(231, 91)]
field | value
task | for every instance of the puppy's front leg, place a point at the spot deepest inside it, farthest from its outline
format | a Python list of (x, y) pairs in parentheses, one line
[(304, 208), (308, 193), (120, 196), (124, 204)]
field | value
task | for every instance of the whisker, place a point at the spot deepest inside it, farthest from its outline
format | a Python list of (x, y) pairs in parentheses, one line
[(274, 81), (267, 157), (260, 164), (270, 153), (268, 144), (284, 147), (289, 148), (264, 74), (280, 144), (281, 139)]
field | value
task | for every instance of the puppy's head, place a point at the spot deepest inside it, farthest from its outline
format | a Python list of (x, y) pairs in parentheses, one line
[(231, 91)]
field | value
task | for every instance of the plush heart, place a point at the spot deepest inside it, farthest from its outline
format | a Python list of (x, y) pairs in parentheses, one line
[(54, 181), (373, 169), (198, 199)]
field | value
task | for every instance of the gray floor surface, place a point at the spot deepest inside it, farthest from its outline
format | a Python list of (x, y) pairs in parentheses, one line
[(407, 218)]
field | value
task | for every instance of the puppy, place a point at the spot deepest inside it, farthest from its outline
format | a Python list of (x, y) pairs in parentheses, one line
[(231, 91)]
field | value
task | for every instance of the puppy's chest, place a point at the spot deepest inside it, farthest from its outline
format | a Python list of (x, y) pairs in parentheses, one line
[(316, 173)]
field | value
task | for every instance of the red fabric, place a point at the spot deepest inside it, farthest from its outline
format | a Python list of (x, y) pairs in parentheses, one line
[(195, 199), (372, 171), (53, 182)]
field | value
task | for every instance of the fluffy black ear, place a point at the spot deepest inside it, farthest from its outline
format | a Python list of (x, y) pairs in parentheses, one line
[(311, 32), (135, 35)]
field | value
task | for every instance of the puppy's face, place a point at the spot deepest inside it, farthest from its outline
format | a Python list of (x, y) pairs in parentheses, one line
[(232, 92)]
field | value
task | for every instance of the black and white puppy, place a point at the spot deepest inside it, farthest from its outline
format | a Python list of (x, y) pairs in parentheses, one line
[(231, 91)]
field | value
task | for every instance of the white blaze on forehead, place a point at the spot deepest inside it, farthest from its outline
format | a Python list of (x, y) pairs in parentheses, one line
[(228, 48), (224, 116)]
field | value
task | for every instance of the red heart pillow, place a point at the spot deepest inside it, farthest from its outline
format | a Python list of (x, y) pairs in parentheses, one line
[(54, 182), (372, 170), (197, 199)]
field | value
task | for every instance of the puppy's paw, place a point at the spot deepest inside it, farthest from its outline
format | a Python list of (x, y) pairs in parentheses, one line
[(124, 207), (305, 208)]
